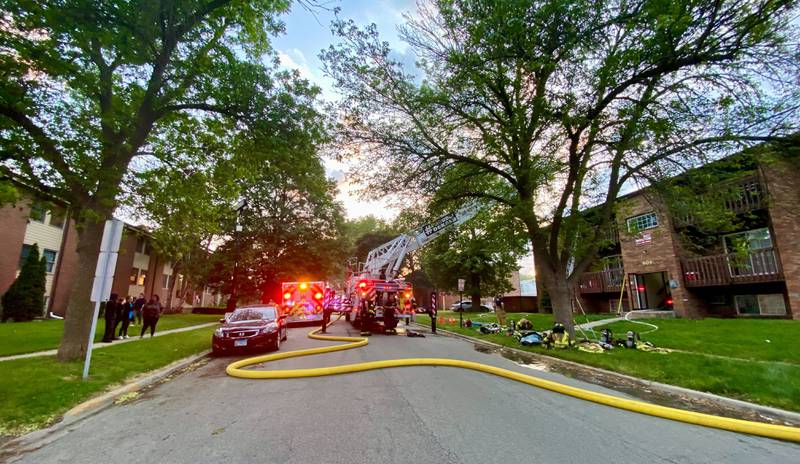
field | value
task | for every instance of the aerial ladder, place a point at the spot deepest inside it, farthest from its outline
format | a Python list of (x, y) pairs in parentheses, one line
[(375, 280)]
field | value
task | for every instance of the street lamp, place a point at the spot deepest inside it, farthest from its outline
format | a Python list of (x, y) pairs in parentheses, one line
[(231, 306)]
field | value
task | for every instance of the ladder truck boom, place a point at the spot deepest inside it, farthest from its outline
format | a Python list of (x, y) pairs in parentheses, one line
[(388, 257)]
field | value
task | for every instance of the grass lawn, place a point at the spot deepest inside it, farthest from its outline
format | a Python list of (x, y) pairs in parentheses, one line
[(539, 321), (767, 373), (37, 391), (27, 337)]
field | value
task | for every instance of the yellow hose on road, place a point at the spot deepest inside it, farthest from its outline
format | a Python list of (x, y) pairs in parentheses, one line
[(236, 369)]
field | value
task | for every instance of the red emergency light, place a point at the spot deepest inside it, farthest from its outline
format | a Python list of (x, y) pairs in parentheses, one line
[(362, 285), (669, 301), (408, 294), (287, 296), (318, 296), (303, 286), (641, 288)]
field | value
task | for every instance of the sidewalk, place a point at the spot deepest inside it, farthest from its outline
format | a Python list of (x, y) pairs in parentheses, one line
[(98, 345)]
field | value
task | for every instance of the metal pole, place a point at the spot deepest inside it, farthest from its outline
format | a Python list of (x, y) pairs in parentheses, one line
[(91, 340), (461, 309)]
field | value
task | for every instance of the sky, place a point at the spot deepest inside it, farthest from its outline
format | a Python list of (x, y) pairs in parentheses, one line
[(306, 35)]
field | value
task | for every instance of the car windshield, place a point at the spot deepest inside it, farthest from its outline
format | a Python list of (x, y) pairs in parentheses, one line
[(253, 314)]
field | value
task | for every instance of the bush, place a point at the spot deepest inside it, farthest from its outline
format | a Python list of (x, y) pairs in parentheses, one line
[(24, 300)]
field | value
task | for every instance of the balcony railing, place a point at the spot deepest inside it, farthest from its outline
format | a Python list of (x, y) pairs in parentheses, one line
[(740, 195), (732, 268), (601, 281)]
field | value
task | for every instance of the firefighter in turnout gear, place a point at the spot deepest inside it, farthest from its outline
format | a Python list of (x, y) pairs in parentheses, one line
[(366, 318)]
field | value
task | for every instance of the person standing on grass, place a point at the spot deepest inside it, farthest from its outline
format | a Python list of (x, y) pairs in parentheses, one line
[(137, 307), (110, 316), (151, 313), (126, 312)]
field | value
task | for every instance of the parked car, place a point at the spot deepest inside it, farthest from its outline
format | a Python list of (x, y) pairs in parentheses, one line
[(468, 307), (250, 328)]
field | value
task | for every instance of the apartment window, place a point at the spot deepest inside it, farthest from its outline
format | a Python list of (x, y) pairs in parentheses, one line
[(142, 246), (138, 276), (57, 217), (26, 249), (642, 222), (50, 259), (611, 263), (750, 240), (38, 212), (761, 305), (165, 280)]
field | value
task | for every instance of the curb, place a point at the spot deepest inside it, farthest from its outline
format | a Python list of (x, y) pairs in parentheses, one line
[(740, 405), (90, 407)]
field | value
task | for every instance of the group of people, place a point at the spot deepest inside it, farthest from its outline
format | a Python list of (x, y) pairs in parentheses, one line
[(121, 313)]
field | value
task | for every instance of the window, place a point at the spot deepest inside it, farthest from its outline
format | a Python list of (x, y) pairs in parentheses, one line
[(50, 259), (142, 246), (138, 276), (642, 222), (764, 305), (756, 239), (26, 249), (38, 212), (166, 278), (57, 216), (613, 262)]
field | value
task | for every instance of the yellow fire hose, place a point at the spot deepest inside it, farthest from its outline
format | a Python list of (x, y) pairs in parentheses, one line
[(236, 369)]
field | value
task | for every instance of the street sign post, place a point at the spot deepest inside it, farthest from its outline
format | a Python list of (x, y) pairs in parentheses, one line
[(461, 283), (103, 278), (433, 312)]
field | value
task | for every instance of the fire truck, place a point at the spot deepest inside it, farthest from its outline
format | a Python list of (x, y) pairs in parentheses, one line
[(374, 283), (303, 301)]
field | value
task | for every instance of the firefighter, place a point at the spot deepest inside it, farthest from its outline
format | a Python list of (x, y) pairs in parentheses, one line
[(389, 322), (326, 317), (365, 318)]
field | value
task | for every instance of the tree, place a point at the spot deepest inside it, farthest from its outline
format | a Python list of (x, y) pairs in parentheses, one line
[(484, 252), (292, 229), (550, 107), (93, 93), (24, 299)]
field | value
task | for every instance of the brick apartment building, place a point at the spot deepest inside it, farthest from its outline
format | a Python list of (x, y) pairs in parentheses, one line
[(655, 261), (46, 222)]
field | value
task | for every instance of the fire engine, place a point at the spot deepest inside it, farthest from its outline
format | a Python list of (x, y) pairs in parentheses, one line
[(374, 283), (303, 301)]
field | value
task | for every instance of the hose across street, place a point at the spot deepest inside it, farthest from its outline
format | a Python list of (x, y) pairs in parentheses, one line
[(237, 369)]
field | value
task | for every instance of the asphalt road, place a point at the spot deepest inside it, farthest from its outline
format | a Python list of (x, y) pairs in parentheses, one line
[(414, 415)]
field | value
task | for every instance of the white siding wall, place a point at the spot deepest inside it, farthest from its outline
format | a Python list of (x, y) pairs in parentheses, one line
[(141, 261), (46, 237)]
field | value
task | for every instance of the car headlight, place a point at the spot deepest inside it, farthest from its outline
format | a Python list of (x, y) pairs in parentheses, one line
[(218, 333), (269, 328)]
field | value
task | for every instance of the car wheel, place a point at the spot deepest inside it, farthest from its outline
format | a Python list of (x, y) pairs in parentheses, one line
[(277, 345)]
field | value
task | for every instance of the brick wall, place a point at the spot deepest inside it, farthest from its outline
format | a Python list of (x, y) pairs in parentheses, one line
[(783, 179), (65, 274), (122, 272), (658, 250), (14, 219)]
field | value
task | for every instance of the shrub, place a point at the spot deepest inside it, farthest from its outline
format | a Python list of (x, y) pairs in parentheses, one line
[(24, 300)]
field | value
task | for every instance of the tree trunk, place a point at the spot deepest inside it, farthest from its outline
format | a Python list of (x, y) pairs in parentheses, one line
[(560, 292), (175, 269), (78, 320)]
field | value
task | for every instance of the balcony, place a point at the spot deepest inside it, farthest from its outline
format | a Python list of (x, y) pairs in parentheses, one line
[(732, 268), (739, 196), (601, 281)]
